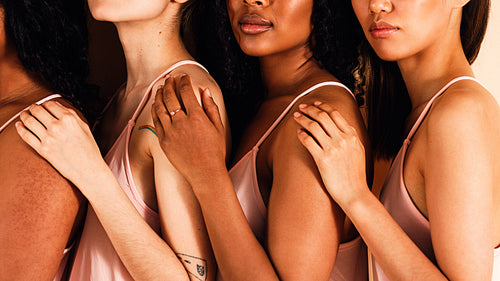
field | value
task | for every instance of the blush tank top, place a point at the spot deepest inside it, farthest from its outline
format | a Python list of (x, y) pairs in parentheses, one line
[(96, 259), (64, 260), (397, 201), (351, 262)]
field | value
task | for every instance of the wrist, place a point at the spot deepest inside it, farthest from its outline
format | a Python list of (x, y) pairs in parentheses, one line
[(203, 175), (362, 199), (94, 180), (211, 183)]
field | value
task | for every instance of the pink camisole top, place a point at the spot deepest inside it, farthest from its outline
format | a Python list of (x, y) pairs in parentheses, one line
[(351, 262), (64, 260), (96, 259), (397, 201)]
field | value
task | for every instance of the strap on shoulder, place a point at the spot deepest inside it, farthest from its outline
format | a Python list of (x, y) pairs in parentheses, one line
[(422, 115), (147, 95), (19, 113), (282, 115)]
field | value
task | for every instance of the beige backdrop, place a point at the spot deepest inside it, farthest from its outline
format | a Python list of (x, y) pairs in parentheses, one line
[(487, 65)]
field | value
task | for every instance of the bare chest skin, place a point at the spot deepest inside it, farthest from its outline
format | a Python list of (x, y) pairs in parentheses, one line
[(414, 178), (112, 125), (268, 112)]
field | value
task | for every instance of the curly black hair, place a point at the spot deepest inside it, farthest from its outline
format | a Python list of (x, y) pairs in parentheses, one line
[(333, 41), (50, 38)]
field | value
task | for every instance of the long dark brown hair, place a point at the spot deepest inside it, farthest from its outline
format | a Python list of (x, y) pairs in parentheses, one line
[(388, 102)]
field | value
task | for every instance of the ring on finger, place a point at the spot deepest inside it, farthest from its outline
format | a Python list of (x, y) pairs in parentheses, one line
[(172, 113)]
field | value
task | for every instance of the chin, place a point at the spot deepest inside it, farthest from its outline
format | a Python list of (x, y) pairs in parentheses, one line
[(255, 49), (99, 12), (388, 54)]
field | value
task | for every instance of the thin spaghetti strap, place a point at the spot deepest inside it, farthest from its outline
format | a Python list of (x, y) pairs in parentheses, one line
[(431, 101), (107, 106), (282, 115), (19, 113), (147, 95)]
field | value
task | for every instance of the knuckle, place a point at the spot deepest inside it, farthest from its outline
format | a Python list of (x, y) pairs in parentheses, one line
[(326, 107), (314, 125), (342, 142), (45, 148), (50, 103), (323, 115), (159, 108), (184, 87), (72, 111), (55, 129), (66, 117)]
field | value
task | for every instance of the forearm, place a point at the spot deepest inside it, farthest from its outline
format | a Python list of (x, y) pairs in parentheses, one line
[(396, 253), (239, 254), (145, 255)]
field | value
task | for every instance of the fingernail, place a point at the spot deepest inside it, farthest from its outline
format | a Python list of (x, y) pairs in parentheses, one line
[(167, 77), (318, 103), (183, 75), (296, 114), (302, 106), (160, 87), (207, 90)]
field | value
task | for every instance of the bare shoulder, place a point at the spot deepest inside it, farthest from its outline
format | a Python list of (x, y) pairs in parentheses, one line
[(31, 175), (39, 210), (465, 108), (338, 98), (463, 124), (200, 80)]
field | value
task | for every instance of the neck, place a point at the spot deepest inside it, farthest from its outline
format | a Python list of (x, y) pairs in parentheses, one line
[(427, 72), (282, 72), (150, 48), (13, 78)]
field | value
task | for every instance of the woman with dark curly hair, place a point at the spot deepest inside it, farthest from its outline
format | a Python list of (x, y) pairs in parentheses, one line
[(269, 217), (43, 55), (439, 209), (143, 222)]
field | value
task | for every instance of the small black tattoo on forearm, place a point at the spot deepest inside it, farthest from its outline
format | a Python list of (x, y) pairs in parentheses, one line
[(195, 266)]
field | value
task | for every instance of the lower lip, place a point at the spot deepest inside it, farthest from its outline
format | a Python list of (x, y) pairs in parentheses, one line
[(254, 28), (383, 33)]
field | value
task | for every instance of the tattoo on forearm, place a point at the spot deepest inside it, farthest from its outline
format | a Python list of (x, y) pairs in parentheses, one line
[(195, 266)]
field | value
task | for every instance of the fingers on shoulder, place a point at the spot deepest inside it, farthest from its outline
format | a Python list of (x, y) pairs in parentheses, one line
[(66, 108)]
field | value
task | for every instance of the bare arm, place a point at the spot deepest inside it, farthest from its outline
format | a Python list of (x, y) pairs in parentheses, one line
[(68, 144), (458, 180), (297, 201), (182, 222), (38, 211)]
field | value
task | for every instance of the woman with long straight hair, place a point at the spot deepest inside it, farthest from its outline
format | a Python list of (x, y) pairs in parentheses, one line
[(437, 218)]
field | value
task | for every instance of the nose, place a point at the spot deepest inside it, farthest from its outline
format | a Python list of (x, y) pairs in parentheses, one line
[(260, 3), (379, 6)]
